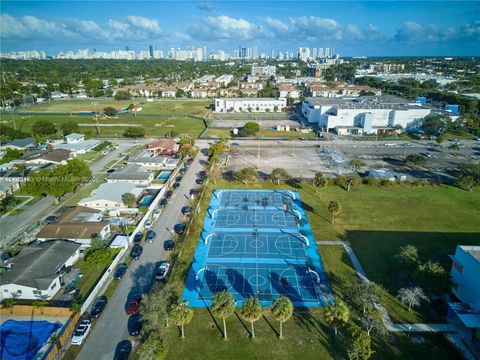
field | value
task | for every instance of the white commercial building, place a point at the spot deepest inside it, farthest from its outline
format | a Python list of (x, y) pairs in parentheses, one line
[(263, 71), (250, 104), (364, 115)]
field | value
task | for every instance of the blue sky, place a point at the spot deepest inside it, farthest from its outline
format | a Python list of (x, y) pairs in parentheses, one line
[(354, 28)]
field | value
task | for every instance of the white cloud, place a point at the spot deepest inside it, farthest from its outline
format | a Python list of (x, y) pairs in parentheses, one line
[(224, 27), (414, 32), (73, 29)]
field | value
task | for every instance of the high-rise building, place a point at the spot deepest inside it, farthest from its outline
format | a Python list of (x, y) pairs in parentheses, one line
[(303, 54), (327, 52), (314, 53), (320, 53), (255, 52), (249, 53), (243, 53), (273, 54), (205, 55), (150, 51)]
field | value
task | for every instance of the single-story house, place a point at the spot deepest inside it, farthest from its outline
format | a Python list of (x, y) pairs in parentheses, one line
[(148, 160), (37, 271), (163, 145), (78, 224), (58, 156), (7, 188), (135, 174), (77, 147), (21, 144), (108, 197)]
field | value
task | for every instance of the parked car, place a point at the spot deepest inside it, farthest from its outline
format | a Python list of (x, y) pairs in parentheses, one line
[(151, 235), (202, 173), (190, 161), (182, 170), (168, 245), (163, 202), (109, 171), (123, 350), (162, 272), (50, 220), (156, 213), (148, 224), (98, 307), (134, 304), (81, 332), (134, 325), (390, 144), (176, 185), (138, 238), (186, 210), (120, 271), (179, 228), (178, 178), (193, 191), (136, 252), (168, 194), (199, 181)]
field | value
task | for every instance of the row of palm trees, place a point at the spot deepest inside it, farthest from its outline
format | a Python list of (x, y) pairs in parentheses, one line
[(223, 307)]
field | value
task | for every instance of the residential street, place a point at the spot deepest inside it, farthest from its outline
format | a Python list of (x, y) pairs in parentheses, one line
[(111, 328)]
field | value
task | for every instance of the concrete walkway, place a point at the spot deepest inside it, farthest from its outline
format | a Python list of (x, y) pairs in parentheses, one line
[(386, 318)]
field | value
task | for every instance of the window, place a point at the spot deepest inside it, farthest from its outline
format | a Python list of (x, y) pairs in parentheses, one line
[(37, 292), (53, 286), (5, 290), (19, 291)]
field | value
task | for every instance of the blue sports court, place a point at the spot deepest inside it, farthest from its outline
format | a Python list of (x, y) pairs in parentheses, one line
[(257, 243)]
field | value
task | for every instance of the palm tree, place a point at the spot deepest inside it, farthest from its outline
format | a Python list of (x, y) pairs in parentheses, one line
[(320, 182), (282, 310), (181, 315), (40, 304), (223, 306), (9, 304), (336, 315), (251, 311), (334, 208)]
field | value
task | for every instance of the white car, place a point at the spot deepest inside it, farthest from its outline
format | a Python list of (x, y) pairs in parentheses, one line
[(148, 224), (162, 272), (156, 213), (81, 332), (390, 144)]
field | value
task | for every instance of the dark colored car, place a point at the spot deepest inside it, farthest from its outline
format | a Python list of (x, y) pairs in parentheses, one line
[(50, 220), (163, 202), (182, 170), (109, 171), (202, 173), (98, 307), (136, 252), (189, 161), (178, 178), (151, 235), (168, 245), (138, 238), (179, 228), (168, 194), (176, 185), (193, 191), (120, 271), (199, 181), (134, 325), (134, 304), (186, 210), (123, 350)]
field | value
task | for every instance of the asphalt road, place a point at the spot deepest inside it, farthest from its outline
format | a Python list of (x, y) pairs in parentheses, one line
[(112, 327)]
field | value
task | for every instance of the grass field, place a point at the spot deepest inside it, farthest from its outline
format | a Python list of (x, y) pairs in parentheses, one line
[(154, 126), (215, 132), (366, 212), (198, 108)]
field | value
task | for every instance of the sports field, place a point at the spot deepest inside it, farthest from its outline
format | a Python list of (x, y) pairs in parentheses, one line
[(175, 107), (257, 243)]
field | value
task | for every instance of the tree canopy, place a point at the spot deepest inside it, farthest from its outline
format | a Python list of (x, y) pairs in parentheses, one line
[(134, 132), (43, 127)]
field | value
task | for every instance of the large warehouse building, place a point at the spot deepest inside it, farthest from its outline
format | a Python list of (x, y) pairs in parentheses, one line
[(250, 104), (363, 115)]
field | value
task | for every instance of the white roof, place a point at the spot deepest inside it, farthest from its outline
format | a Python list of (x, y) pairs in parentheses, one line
[(119, 241), (74, 136), (112, 192), (84, 145)]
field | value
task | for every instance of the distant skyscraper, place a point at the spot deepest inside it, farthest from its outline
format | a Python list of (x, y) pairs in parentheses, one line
[(320, 53), (303, 54), (249, 53), (273, 54), (327, 52), (150, 52), (314, 53), (205, 55), (255, 52), (244, 53)]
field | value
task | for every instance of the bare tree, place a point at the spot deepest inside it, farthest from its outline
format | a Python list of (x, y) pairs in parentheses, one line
[(412, 296), (373, 320)]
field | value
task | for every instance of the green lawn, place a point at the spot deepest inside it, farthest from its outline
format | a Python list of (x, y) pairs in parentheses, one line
[(86, 190), (154, 126), (216, 132), (198, 108)]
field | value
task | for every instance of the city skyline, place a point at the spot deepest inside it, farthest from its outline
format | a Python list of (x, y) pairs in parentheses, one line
[(359, 29)]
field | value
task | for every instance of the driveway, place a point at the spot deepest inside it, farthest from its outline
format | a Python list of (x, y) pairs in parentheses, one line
[(111, 328)]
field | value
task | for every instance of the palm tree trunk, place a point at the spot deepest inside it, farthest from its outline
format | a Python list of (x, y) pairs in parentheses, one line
[(281, 330), (183, 332), (333, 219), (224, 329), (253, 330)]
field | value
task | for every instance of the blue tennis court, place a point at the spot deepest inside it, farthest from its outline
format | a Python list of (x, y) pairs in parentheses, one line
[(257, 243)]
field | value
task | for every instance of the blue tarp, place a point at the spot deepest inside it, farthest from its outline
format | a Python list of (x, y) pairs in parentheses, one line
[(21, 340)]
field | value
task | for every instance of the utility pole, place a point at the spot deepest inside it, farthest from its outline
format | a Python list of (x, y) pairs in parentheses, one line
[(95, 103)]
